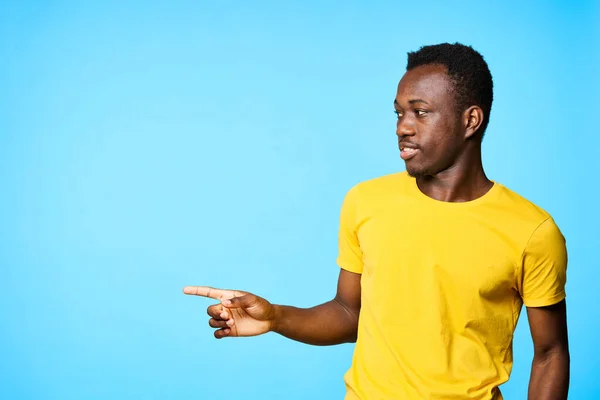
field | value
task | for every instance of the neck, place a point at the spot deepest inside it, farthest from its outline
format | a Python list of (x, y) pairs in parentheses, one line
[(463, 181)]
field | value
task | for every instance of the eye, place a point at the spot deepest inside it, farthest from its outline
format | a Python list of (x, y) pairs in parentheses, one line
[(398, 114), (421, 113)]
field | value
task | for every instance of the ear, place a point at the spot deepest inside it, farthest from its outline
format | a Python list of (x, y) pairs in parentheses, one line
[(472, 120)]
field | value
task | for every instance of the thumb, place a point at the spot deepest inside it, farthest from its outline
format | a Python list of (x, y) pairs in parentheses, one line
[(244, 301)]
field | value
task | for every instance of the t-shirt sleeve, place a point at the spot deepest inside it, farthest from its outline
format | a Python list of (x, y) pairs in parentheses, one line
[(544, 267), (349, 252)]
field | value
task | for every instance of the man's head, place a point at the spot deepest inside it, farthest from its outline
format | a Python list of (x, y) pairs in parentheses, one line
[(443, 105)]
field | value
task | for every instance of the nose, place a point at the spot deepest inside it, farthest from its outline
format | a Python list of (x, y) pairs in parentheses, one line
[(405, 127)]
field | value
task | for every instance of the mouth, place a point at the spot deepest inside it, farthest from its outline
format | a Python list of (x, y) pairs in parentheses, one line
[(406, 153)]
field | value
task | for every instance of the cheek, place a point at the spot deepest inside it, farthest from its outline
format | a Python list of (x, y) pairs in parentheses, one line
[(440, 144), (434, 138)]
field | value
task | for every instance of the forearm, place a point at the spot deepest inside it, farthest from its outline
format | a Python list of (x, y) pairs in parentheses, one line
[(550, 376), (326, 324)]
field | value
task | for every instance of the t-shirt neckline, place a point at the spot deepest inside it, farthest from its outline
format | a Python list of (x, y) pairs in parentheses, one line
[(487, 195)]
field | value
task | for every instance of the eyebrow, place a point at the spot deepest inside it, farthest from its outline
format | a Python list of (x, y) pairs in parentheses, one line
[(412, 102), (418, 101)]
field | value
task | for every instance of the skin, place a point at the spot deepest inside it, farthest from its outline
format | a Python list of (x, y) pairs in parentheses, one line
[(550, 367), (448, 167), (447, 164)]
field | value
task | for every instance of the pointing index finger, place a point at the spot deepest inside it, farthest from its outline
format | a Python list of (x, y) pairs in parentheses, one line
[(204, 291)]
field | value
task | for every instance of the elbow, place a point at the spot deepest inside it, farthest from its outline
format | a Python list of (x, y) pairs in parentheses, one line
[(349, 320)]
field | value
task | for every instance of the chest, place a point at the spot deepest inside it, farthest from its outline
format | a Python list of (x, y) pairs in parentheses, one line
[(420, 254)]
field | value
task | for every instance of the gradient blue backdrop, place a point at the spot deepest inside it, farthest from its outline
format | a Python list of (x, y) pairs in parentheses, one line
[(145, 146)]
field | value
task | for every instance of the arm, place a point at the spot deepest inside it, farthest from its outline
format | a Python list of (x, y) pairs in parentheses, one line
[(245, 314), (330, 323), (550, 368)]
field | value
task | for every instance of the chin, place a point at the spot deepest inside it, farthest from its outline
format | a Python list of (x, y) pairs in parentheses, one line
[(416, 172)]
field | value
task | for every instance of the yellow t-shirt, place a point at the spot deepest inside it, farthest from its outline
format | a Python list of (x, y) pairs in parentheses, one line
[(442, 287)]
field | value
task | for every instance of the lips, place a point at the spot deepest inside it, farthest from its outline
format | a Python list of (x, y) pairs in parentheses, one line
[(408, 153), (408, 150)]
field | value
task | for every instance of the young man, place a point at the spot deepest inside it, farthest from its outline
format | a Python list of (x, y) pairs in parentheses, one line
[(436, 262)]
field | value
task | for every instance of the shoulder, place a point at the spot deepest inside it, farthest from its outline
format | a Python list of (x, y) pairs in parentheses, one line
[(382, 185), (521, 208), (530, 224)]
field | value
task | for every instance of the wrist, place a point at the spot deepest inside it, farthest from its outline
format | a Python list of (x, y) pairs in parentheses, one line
[(276, 320)]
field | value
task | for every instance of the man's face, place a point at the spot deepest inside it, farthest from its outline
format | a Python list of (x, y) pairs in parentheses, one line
[(428, 127)]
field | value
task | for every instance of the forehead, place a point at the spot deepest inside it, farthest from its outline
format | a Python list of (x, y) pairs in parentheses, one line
[(428, 82)]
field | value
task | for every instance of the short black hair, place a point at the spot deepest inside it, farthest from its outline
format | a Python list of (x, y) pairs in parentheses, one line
[(468, 71)]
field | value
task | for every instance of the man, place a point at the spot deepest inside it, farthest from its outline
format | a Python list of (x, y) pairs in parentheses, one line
[(436, 262)]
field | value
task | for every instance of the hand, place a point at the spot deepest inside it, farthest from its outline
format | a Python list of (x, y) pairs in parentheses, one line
[(238, 314)]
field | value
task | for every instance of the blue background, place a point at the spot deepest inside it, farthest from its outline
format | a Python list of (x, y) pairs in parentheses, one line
[(145, 146)]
